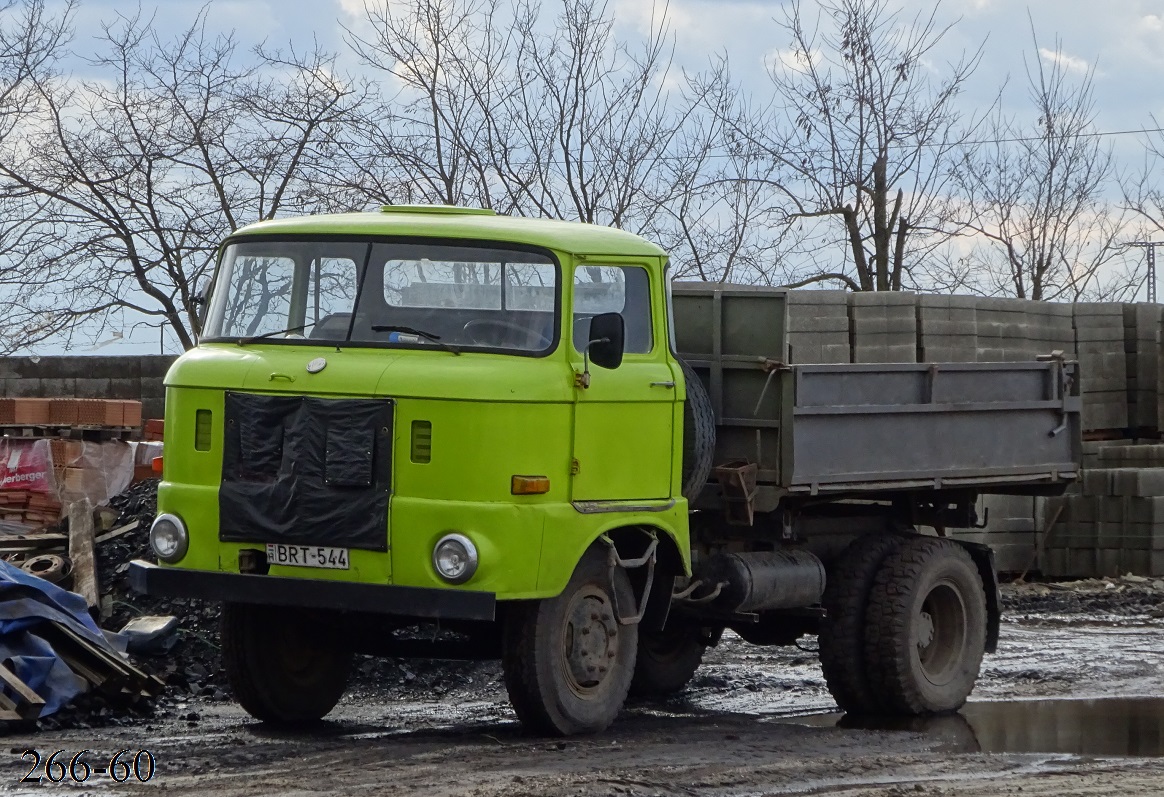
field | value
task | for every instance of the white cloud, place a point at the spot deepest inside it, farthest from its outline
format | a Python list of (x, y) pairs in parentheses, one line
[(792, 60), (1068, 62), (647, 15), (1151, 23)]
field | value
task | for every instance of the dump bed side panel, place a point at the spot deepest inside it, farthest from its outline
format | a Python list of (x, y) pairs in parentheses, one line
[(875, 427)]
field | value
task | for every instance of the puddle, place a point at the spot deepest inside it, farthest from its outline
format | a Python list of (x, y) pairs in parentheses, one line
[(1100, 727)]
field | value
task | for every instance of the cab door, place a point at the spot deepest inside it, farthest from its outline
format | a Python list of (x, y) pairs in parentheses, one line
[(624, 420)]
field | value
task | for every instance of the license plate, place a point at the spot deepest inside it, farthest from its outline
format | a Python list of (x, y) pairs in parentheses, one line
[(307, 556)]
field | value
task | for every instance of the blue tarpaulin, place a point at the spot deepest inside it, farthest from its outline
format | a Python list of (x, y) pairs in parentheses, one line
[(26, 604)]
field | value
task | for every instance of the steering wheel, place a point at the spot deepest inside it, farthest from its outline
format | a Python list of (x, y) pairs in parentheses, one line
[(476, 325)]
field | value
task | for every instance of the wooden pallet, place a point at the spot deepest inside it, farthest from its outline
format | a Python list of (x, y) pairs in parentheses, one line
[(18, 702), (94, 434)]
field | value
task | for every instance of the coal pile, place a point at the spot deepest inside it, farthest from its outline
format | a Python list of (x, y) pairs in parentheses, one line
[(191, 667)]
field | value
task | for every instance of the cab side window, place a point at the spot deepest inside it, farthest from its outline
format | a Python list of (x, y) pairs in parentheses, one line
[(613, 289)]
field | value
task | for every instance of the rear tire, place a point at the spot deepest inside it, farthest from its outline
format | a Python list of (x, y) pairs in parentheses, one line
[(568, 662), (277, 667), (926, 627), (667, 660), (842, 631)]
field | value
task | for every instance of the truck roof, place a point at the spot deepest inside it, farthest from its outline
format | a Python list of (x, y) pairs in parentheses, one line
[(444, 221)]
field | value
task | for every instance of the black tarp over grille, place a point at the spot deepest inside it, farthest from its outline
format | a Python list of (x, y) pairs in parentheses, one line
[(306, 471)]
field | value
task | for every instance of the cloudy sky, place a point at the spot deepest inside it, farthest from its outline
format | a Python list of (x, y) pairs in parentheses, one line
[(1122, 41)]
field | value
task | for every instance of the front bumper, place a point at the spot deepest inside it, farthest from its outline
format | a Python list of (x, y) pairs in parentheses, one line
[(419, 602)]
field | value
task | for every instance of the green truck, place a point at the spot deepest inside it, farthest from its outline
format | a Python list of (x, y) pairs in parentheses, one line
[(441, 432)]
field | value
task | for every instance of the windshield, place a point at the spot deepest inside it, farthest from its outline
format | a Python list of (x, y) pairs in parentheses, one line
[(408, 294)]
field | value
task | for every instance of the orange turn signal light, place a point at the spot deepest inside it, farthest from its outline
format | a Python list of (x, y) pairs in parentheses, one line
[(156, 464), (529, 485)]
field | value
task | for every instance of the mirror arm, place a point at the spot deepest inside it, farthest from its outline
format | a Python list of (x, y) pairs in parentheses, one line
[(582, 380)]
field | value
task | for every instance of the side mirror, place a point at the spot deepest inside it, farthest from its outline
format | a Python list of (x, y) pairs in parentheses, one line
[(202, 301), (607, 339)]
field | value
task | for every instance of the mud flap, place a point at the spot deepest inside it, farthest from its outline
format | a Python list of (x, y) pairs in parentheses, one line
[(983, 557)]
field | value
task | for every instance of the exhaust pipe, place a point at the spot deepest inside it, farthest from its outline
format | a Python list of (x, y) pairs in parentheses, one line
[(759, 581)]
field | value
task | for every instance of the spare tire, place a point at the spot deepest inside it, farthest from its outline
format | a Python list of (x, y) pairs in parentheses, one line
[(698, 435)]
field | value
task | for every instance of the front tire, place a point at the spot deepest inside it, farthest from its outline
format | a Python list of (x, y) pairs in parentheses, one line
[(568, 662), (667, 660), (926, 627), (277, 666)]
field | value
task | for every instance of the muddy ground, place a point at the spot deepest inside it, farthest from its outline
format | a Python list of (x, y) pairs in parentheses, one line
[(755, 721)]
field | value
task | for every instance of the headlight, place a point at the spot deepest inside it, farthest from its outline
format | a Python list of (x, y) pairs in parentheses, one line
[(455, 558), (168, 538)]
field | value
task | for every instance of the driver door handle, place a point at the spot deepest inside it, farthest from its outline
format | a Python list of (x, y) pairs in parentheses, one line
[(663, 384)]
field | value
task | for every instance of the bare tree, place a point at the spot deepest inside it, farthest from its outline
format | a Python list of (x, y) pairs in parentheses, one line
[(1035, 193), (863, 136), (1143, 195), (721, 222), (31, 42), (434, 138), (500, 108), (138, 176)]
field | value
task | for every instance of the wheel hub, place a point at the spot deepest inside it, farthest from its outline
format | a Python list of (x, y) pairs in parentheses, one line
[(941, 626), (925, 630), (591, 639)]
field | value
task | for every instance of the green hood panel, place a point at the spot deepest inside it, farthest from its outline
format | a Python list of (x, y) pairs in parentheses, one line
[(282, 368)]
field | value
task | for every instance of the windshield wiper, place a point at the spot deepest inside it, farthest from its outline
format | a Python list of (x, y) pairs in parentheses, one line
[(418, 332), (253, 338)]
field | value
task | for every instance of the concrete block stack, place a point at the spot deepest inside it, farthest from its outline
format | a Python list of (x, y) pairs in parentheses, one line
[(883, 327), (1115, 523), (1142, 363), (818, 326), (1016, 330), (1099, 337), (947, 329), (1009, 531)]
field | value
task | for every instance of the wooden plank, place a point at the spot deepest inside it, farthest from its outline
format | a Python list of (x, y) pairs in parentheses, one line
[(30, 541), (82, 552), (31, 703), (117, 532), (120, 668)]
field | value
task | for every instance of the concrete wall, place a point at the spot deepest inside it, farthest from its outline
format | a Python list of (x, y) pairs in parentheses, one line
[(88, 377)]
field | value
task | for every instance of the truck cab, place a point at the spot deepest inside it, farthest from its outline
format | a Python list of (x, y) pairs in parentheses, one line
[(398, 414)]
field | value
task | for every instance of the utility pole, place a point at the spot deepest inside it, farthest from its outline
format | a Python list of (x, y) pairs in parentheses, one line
[(1149, 250)]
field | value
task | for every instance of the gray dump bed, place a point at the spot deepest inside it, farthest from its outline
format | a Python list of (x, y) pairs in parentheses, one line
[(862, 428)]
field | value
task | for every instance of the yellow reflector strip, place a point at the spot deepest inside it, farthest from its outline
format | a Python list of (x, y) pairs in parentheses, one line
[(202, 429), (530, 485)]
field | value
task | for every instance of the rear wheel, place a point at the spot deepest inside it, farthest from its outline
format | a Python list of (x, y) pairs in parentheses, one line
[(567, 660), (278, 667), (926, 627), (667, 660), (842, 631)]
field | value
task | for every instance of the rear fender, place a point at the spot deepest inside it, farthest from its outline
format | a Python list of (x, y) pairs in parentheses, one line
[(983, 557)]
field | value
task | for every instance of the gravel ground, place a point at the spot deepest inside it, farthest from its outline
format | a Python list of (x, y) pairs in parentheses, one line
[(754, 721)]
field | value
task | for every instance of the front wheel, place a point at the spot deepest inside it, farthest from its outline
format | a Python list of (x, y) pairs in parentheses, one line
[(279, 665), (568, 662), (667, 660), (926, 627)]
